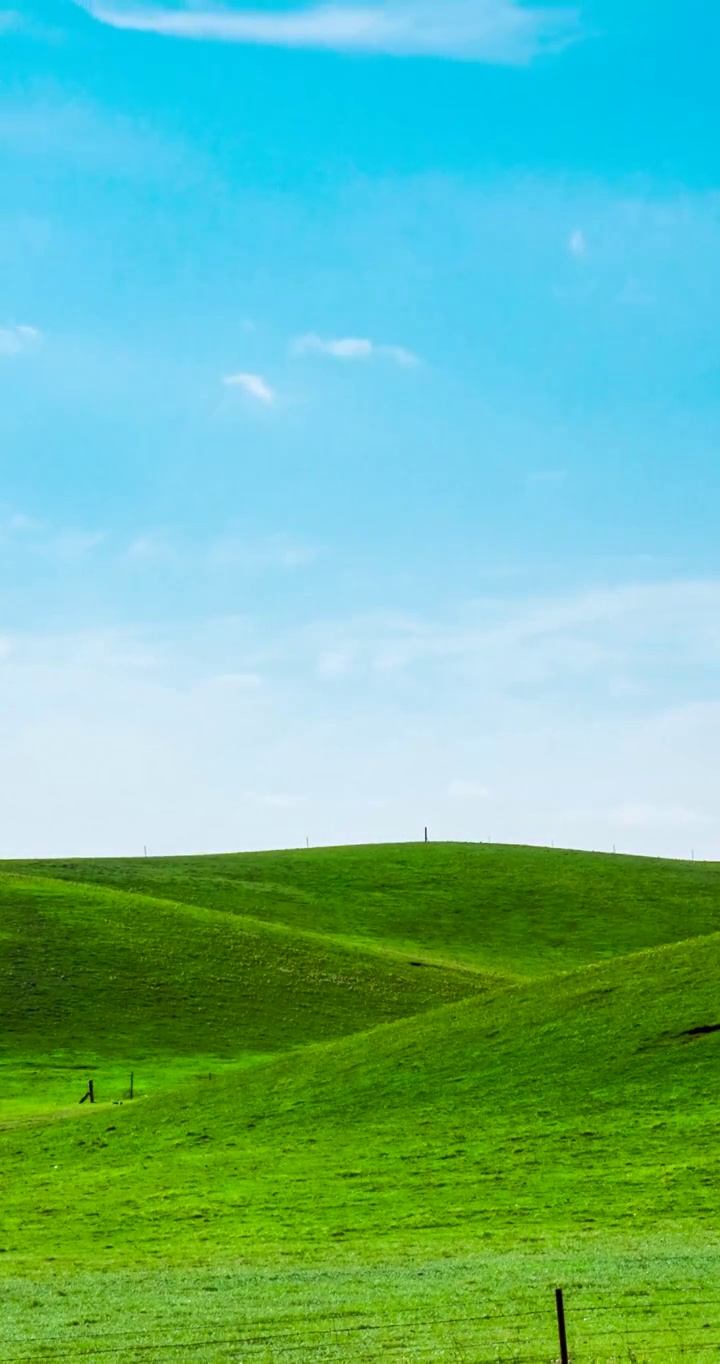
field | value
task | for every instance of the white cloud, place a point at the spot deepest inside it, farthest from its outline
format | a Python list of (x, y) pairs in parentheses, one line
[(26, 535), (76, 544), (54, 127), (612, 644), (352, 348), (15, 525), (496, 31), (349, 349), (252, 384), (642, 816), (274, 551), (468, 790), (166, 736), (153, 547), (19, 340), (635, 294), (577, 243), (235, 682), (335, 663), (274, 802), (19, 521)]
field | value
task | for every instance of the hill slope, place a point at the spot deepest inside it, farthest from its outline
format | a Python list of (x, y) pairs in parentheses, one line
[(522, 911), (582, 1104), (405, 1175), (97, 980)]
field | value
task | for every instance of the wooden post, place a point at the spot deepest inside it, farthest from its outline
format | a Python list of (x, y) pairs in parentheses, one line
[(426, 835), (560, 1306), (91, 1091)]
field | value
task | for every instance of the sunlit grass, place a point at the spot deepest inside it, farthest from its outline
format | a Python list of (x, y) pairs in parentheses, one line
[(400, 1172)]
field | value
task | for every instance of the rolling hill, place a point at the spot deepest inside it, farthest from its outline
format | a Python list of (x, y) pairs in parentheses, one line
[(526, 911), (414, 1135), (95, 981)]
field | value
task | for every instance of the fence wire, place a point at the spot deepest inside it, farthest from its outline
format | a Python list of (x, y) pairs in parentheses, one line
[(674, 1326)]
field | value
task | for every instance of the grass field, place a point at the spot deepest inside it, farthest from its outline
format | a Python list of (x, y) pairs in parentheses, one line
[(444, 1079)]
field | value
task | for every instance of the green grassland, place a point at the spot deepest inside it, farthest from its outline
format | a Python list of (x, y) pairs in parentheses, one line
[(100, 983), (527, 911), (444, 1079)]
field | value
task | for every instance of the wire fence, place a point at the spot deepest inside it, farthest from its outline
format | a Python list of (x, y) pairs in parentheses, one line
[(569, 1328)]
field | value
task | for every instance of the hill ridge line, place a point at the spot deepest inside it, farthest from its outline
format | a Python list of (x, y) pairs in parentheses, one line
[(338, 1045), (91, 889), (529, 985)]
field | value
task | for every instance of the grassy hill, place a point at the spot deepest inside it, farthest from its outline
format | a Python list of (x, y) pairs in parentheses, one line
[(99, 982), (540, 1111), (424, 1150), (523, 911)]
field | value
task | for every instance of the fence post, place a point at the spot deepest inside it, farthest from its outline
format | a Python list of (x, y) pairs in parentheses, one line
[(560, 1306)]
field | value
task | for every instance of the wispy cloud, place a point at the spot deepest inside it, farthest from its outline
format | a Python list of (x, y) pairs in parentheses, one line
[(253, 385), (275, 551), (19, 340), (536, 645), (170, 708), (27, 535), (47, 123), (468, 790), (76, 544), (352, 348), (577, 243), (274, 801), (642, 816), (14, 525), (152, 547), (496, 31)]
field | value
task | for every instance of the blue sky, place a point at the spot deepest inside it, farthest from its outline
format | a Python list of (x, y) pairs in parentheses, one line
[(359, 419)]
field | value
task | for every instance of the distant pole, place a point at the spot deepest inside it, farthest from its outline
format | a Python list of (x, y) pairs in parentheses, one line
[(426, 834), (145, 850), (560, 1307), (613, 847), (307, 842)]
